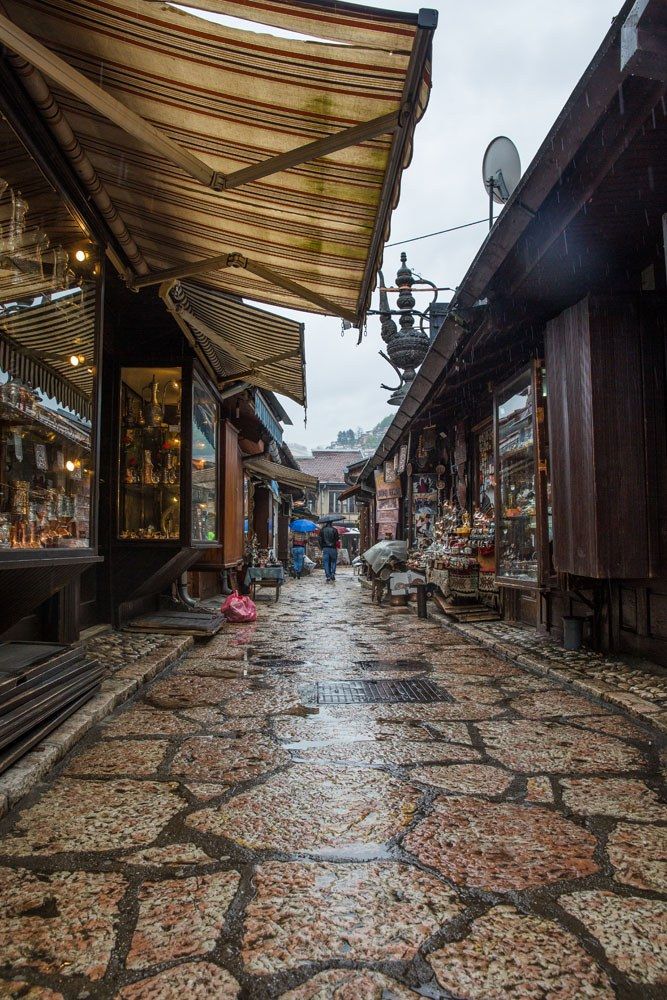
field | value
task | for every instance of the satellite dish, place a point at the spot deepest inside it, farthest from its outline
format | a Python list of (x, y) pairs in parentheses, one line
[(501, 169)]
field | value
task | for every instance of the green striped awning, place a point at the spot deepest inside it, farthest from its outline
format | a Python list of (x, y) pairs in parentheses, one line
[(241, 342)]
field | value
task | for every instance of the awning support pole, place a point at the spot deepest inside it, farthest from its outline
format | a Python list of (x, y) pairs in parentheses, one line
[(263, 363), (225, 260), (313, 150)]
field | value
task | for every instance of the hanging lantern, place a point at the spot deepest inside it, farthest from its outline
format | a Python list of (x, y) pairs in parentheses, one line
[(406, 346)]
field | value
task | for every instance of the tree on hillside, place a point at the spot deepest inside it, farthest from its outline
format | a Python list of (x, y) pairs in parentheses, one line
[(347, 437)]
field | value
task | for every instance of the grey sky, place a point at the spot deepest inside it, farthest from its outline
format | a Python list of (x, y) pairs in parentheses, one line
[(498, 69)]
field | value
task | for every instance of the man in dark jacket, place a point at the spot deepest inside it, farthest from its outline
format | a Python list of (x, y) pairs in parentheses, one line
[(328, 539)]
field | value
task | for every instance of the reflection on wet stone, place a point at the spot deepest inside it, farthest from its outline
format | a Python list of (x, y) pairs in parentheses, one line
[(311, 808), (332, 852), (305, 912)]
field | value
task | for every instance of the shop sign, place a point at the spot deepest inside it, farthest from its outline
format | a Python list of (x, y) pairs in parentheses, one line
[(383, 489)]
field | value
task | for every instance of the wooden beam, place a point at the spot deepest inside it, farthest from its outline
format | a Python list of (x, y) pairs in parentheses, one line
[(313, 150), (76, 83), (644, 41)]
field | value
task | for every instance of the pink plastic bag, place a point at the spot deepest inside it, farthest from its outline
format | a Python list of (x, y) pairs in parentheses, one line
[(239, 609)]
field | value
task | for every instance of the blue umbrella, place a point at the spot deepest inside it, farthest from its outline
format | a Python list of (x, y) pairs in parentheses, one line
[(303, 526)]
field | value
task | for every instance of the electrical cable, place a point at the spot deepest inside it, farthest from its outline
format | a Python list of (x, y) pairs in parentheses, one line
[(466, 225)]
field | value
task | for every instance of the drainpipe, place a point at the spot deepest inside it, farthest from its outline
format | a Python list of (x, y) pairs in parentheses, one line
[(180, 595)]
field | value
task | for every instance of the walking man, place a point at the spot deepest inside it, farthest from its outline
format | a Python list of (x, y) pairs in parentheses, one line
[(329, 540)]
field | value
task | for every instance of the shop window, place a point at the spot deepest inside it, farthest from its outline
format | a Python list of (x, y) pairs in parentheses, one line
[(150, 453), (204, 465), (49, 271), (516, 482)]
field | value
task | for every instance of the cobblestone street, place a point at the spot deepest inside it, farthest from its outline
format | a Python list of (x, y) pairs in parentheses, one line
[(222, 835)]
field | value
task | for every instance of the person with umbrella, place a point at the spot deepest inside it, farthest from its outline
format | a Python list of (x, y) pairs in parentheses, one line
[(329, 540), (300, 529)]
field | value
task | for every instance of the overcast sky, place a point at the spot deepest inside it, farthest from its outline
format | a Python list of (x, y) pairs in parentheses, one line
[(498, 69)]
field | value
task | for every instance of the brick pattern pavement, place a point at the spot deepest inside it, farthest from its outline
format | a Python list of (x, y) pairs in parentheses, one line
[(221, 836)]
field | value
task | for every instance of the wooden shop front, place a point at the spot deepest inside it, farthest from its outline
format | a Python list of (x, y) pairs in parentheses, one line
[(556, 344)]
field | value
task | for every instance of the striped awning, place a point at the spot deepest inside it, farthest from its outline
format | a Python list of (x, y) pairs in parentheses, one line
[(36, 344), (194, 134), (240, 342), (281, 473)]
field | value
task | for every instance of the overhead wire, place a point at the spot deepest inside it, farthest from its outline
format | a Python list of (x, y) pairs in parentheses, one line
[(452, 229)]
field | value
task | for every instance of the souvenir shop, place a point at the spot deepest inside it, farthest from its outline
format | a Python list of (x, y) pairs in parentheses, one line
[(50, 323), (468, 490)]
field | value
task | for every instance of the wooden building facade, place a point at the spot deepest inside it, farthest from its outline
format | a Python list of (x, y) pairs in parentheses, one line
[(540, 410)]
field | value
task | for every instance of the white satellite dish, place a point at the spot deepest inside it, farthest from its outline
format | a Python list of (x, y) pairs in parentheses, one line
[(501, 171)]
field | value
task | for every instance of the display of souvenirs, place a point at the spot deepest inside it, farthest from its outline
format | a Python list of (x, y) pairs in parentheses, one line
[(460, 559), (149, 502), (44, 475), (252, 549)]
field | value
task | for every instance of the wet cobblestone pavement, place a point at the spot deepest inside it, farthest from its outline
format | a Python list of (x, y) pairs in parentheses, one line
[(221, 835)]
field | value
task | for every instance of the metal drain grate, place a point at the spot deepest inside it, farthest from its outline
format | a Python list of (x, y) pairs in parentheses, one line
[(380, 691)]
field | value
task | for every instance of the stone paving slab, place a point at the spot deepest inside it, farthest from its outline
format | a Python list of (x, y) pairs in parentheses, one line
[(641, 691), (130, 662), (220, 835)]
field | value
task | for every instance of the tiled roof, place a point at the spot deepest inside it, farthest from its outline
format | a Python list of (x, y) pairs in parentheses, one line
[(329, 466)]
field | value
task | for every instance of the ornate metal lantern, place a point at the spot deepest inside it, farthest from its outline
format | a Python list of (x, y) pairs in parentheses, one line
[(407, 346)]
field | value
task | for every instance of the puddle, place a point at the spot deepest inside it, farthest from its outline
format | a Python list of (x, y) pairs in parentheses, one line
[(315, 744), (354, 852)]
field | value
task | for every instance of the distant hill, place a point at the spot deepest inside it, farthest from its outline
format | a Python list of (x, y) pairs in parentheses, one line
[(349, 440), (366, 440)]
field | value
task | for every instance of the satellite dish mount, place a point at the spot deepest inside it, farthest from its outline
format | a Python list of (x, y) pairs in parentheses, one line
[(501, 172)]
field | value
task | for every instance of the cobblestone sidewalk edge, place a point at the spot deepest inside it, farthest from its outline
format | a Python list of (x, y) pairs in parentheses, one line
[(641, 709), (22, 777)]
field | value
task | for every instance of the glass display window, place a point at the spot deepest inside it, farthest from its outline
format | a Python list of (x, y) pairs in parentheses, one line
[(204, 464), (150, 454), (49, 277), (516, 503)]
